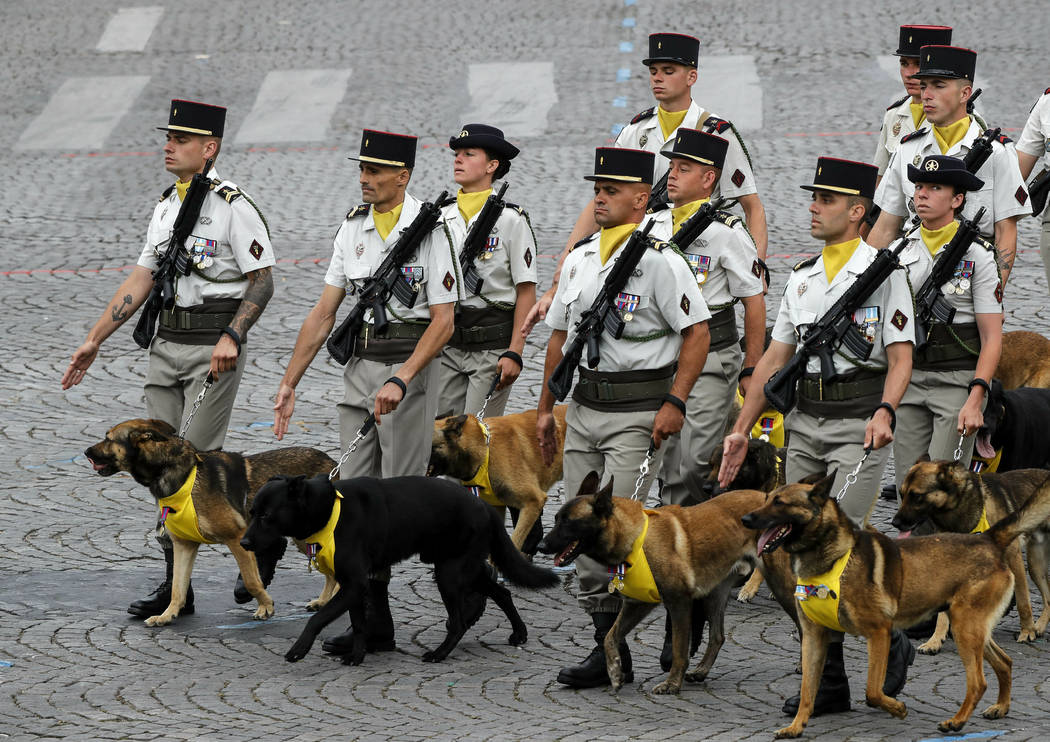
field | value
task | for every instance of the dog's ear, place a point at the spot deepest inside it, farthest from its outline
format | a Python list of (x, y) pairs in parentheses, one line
[(822, 489), (590, 483), (811, 479), (164, 427), (603, 505), (454, 425)]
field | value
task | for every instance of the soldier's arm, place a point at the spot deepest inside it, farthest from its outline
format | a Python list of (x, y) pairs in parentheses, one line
[(524, 302), (754, 331), (755, 216), (545, 426), (256, 297), (1026, 162), (442, 323), (899, 358), (885, 230), (1006, 245)]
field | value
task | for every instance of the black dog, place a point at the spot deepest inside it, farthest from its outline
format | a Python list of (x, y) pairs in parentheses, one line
[(384, 521), (1015, 423)]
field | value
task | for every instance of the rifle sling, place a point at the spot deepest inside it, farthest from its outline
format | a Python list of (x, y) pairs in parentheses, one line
[(944, 351), (624, 391), (197, 325)]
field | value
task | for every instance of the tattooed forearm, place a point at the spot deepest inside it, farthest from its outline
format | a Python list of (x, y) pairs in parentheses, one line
[(1004, 259), (120, 311), (256, 296)]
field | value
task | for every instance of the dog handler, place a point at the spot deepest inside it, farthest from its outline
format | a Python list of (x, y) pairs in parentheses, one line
[(216, 304), (634, 395)]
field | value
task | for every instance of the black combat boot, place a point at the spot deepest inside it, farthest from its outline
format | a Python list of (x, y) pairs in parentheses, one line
[(379, 625), (267, 563), (592, 672), (159, 600), (833, 693), (902, 654)]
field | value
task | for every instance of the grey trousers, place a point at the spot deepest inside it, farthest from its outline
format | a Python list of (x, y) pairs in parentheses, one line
[(614, 445), (465, 379), (1044, 244)]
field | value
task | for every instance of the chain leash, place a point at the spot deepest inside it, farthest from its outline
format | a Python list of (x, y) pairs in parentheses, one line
[(208, 381), (851, 478), (366, 426), (643, 470), (492, 390), (959, 448)]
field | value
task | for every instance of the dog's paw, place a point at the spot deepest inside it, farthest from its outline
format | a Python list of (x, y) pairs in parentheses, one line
[(434, 656), (1027, 635), (297, 652), (162, 620), (518, 638), (747, 594), (895, 708), (998, 711), (790, 732), (263, 612), (951, 725), (354, 657), (315, 605), (667, 688), (696, 676), (930, 646)]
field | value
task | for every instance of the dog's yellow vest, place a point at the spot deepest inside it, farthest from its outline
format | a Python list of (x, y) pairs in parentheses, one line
[(980, 465), (770, 424), (633, 579), (818, 597), (178, 514), (982, 524), (480, 484), (320, 547)]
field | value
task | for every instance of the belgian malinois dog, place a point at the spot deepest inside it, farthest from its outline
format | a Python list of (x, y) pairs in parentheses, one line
[(888, 584), (1025, 360), (956, 500), (223, 487)]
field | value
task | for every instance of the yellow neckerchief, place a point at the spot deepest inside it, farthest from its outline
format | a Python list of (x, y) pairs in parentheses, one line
[(679, 214), (179, 515), (470, 203), (633, 578), (182, 188), (385, 222), (836, 256), (670, 120), (770, 424), (917, 114), (935, 239), (818, 597), (948, 136), (480, 484), (611, 238), (979, 465), (320, 547), (982, 524)]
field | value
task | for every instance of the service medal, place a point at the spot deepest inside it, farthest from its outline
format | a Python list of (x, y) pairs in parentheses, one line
[(628, 316), (964, 284), (823, 592), (897, 128), (802, 288), (642, 140)]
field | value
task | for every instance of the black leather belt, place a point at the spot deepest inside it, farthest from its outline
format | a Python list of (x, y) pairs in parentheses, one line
[(722, 327), (624, 391)]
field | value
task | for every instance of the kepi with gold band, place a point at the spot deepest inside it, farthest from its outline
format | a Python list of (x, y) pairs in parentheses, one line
[(626, 165), (386, 148), (196, 118), (673, 47), (699, 146), (913, 38), (844, 176), (950, 62)]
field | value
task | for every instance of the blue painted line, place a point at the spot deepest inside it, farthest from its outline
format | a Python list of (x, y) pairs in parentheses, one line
[(6, 664), (627, 46), (623, 74), (257, 624), (629, 2), (628, 22), (971, 735), (616, 129), (620, 102), (261, 424)]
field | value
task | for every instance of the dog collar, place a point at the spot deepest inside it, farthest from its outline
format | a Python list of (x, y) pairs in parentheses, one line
[(818, 596), (633, 578), (320, 547), (480, 484), (982, 524), (178, 514)]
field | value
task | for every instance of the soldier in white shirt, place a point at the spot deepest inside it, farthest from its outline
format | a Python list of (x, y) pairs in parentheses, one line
[(1033, 145)]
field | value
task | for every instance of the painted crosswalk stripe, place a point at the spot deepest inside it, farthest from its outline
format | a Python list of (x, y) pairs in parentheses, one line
[(74, 119), (294, 106), (129, 30), (729, 87), (515, 96)]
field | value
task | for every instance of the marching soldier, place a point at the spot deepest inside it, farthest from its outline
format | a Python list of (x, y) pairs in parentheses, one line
[(216, 304), (946, 80), (390, 374), (634, 395), (1033, 144), (838, 418)]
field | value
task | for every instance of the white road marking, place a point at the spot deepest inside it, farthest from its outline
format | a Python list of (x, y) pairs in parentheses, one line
[(294, 106), (729, 87), (514, 96), (82, 113), (129, 30)]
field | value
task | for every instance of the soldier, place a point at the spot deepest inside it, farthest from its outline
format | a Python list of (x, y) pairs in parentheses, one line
[(950, 375), (838, 418), (1034, 144), (634, 395), (946, 80), (228, 287), (391, 374)]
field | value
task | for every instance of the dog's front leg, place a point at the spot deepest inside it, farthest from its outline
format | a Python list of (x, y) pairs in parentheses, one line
[(252, 581), (1015, 560), (680, 610), (814, 652), (347, 598), (1038, 566), (631, 613), (527, 516), (330, 586), (878, 658), (185, 554)]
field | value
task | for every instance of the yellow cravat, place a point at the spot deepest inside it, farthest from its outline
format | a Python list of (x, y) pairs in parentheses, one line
[(470, 203), (679, 214), (948, 136), (385, 222), (935, 239), (612, 238), (836, 256), (182, 188), (917, 115), (670, 120)]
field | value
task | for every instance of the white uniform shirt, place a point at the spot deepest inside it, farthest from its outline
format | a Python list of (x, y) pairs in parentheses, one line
[(359, 250), (1004, 194), (509, 259), (1035, 138), (661, 295), (897, 123), (644, 132), (976, 276), (887, 316), (723, 258), (228, 241)]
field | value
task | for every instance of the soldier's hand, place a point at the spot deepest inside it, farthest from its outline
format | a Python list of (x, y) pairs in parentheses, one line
[(546, 435), (745, 384), (668, 421), (877, 433), (734, 449), (223, 356), (283, 407), (970, 418), (538, 312), (509, 371), (83, 357), (389, 397)]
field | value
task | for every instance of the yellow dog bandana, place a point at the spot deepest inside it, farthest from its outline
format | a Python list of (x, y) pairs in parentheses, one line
[(979, 465), (818, 597), (770, 424), (633, 578), (178, 514), (480, 484), (982, 524), (320, 547)]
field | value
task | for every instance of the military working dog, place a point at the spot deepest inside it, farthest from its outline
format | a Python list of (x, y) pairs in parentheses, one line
[(1025, 360), (1015, 427), (887, 584), (206, 494), (365, 524)]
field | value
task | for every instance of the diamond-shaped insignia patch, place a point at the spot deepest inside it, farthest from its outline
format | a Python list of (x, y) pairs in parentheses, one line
[(528, 257), (756, 269), (738, 178), (1021, 195), (448, 282), (999, 292), (256, 249), (685, 304), (899, 320)]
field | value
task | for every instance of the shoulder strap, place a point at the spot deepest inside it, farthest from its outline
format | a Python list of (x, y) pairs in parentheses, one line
[(584, 241), (646, 114), (896, 103), (515, 207), (914, 135), (730, 220), (805, 263), (358, 211), (167, 192), (229, 194)]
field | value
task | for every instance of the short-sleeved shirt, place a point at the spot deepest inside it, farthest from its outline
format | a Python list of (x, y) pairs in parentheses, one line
[(644, 132), (1003, 195), (229, 240), (723, 258), (975, 287), (359, 250), (896, 124), (1035, 137), (661, 297), (887, 316), (509, 257)]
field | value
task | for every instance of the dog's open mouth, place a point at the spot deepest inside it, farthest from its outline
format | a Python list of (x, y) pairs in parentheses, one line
[(773, 537), (983, 444), (104, 469), (568, 554)]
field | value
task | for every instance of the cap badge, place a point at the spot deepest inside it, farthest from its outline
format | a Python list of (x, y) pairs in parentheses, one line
[(366, 142), (927, 57), (659, 45), (820, 169), (910, 39), (463, 133), (931, 165), (601, 160)]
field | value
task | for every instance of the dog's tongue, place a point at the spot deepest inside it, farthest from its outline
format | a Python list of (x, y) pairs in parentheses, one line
[(984, 445), (904, 534), (564, 553), (767, 536), (96, 466)]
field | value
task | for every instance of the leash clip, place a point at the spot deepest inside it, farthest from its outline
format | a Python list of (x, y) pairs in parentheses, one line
[(643, 470), (851, 478), (367, 425), (959, 448), (208, 381), (492, 389)]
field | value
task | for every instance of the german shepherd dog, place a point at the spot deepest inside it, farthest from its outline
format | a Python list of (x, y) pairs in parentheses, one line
[(889, 584), (157, 458), (694, 552), (1015, 423), (384, 521), (955, 500), (519, 478), (1025, 360)]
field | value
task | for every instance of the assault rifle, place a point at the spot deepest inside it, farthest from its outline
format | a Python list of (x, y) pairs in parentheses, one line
[(836, 326), (973, 97), (1038, 191), (174, 261), (386, 280), (602, 315), (929, 301), (695, 225), (477, 239), (981, 150), (658, 198)]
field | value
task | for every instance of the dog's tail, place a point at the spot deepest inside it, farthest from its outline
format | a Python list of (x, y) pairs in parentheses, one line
[(511, 562), (1028, 517)]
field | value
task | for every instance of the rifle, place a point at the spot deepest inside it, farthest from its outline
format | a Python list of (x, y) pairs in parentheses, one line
[(695, 225), (981, 150), (1038, 191), (477, 239), (973, 96), (386, 280), (658, 198), (929, 301), (836, 326), (602, 315), (175, 261)]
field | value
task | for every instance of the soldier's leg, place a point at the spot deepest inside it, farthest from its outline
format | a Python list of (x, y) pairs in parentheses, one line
[(407, 434), (164, 396), (709, 406), (946, 399), (915, 420), (483, 367), (1044, 245), (207, 430), (361, 382), (806, 446), (454, 382), (848, 449)]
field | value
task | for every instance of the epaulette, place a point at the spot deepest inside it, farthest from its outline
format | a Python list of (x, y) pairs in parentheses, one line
[(1002, 138), (584, 241), (896, 103), (917, 133), (646, 114), (229, 194), (515, 207), (662, 206), (716, 125), (1046, 92), (358, 211), (986, 244), (167, 192), (728, 219), (805, 263), (659, 245)]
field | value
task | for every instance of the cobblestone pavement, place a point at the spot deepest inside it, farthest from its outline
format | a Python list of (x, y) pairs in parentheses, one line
[(76, 549)]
